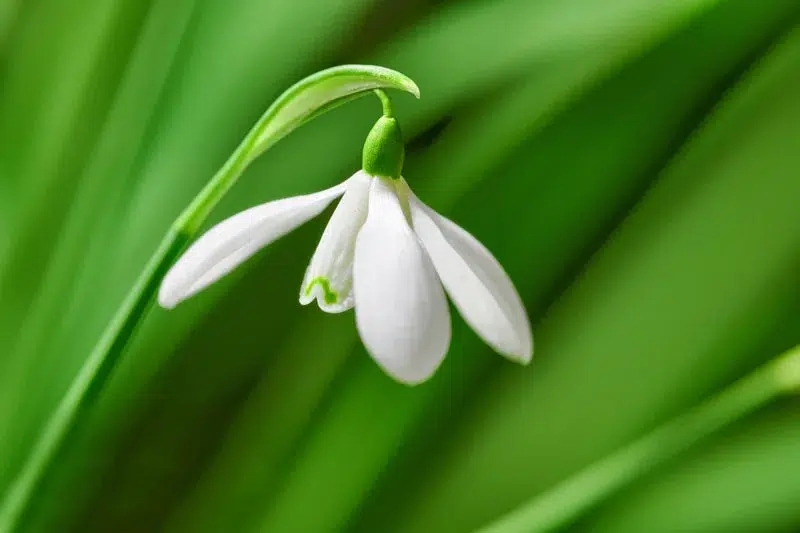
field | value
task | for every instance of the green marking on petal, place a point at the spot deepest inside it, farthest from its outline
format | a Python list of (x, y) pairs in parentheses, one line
[(330, 297)]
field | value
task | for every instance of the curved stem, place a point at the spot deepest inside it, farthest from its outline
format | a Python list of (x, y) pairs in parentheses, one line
[(386, 102), (573, 497)]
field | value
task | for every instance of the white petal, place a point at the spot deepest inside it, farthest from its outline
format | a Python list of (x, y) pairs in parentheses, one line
[(232, 241), (475, 281), (329, 277), (401, 310)]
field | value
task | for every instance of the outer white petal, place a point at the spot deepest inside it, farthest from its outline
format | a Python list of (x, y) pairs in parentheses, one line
[(329, 277), (232, 241), (401, 310), (475, 281)]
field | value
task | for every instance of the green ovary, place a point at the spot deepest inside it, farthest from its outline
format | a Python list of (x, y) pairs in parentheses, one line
[(330, 297)]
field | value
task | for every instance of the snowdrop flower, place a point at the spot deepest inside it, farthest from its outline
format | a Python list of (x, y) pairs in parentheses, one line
[(384, 253)]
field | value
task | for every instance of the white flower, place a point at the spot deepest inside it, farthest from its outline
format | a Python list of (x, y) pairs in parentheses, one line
[(388, 255)]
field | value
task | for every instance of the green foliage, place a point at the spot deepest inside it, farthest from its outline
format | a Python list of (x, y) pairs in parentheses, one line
[(632, 164)]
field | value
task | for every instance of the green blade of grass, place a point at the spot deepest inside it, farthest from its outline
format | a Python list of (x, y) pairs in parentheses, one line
[(748, 467), (574, 496), (743, 481)]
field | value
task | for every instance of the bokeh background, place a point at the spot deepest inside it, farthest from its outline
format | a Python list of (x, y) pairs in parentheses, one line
[(634, 165)]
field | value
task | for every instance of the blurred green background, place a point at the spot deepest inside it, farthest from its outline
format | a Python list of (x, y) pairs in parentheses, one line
[(633, 164)]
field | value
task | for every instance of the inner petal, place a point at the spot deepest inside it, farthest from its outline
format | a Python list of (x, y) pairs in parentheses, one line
[(329, 277)]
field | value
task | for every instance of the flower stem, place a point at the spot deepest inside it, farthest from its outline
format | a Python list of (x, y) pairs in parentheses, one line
[(573, 497), (307, 99), (386, 102)]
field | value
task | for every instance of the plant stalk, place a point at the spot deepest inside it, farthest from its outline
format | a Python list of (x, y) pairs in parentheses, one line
[(320, 93)]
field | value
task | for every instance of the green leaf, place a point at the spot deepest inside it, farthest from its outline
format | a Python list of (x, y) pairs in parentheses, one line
[(561, 505)]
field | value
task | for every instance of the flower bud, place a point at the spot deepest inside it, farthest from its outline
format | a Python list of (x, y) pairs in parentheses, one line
[(384, 150)]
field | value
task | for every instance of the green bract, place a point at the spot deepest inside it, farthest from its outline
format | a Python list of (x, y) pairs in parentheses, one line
[(318, 94), (303, 101)]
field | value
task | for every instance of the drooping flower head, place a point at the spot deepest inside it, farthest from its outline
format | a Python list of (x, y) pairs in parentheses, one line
[(384, 253)]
